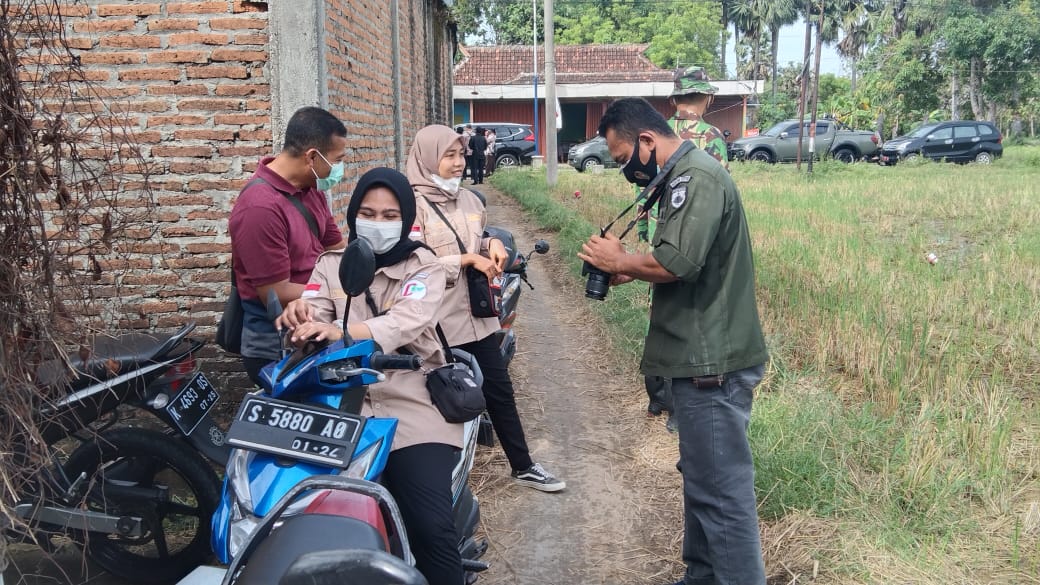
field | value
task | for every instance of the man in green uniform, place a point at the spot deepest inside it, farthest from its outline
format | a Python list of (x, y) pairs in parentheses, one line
[(704, 335), (691, 96)]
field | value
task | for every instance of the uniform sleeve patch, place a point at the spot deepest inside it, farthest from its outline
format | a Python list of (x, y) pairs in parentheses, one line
[(679, 181), (416, 233), (311, 290), (678, 197), (413, 289), (421, 275)]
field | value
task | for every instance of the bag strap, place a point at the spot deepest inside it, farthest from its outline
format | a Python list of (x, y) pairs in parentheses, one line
[(448, 356), (462, 247)]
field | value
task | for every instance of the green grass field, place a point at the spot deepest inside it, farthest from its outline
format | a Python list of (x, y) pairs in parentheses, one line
[(901, 411)]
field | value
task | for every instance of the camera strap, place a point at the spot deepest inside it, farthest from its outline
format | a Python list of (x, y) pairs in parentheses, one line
[(652, 192)]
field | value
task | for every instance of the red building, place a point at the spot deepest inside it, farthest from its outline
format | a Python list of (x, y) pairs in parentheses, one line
[(496, 84)]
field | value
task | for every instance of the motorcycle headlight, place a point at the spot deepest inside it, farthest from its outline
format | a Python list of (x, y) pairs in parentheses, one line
[(360, 465)]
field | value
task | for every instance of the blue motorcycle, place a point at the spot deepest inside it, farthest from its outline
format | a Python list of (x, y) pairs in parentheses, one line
[(301, 500)]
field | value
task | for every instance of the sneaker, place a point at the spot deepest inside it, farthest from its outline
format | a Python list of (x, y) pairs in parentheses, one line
[(655, 409), (538, 478)]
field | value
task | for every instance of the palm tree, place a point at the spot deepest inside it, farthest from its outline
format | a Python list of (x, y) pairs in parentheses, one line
[(775, 14)]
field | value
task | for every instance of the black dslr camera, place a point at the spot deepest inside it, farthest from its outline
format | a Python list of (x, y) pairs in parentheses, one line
[(598, 284)]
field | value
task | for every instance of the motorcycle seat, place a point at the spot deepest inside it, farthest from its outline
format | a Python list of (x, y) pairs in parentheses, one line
[(107, 357), (335, 567)]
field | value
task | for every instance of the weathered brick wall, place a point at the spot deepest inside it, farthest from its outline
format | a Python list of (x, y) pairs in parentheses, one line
[(194, 81)]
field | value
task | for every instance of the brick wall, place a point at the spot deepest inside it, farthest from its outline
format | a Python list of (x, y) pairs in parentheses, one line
[(194, 82)]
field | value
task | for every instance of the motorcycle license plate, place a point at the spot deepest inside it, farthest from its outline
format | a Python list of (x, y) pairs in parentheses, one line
[(192, 403), (300, 431)]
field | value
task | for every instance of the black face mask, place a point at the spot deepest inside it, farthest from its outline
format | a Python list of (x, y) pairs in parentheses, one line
[(638, 173)]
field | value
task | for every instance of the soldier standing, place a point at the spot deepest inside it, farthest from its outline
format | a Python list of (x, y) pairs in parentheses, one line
[(691, 96)]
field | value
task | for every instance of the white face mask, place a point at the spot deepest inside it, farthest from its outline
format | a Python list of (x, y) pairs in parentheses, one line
[(381, 235), (450, 185)]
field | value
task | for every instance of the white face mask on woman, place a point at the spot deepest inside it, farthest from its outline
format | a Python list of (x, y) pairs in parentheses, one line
[(450, 185), (381, 235)]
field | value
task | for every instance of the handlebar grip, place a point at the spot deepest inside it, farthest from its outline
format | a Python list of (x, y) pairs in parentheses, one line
[(382, 361)]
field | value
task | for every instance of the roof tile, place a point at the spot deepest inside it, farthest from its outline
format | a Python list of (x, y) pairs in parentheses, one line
[(511, 65)]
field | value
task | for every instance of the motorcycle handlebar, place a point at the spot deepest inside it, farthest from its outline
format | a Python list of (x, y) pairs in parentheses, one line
[(382, 361)]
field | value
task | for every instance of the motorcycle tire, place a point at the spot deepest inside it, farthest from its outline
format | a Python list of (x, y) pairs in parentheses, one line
[(175, 528)]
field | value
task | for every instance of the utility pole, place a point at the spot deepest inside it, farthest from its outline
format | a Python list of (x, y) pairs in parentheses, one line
[(534, 58), (816, 89), (802, 89), (551, 160)]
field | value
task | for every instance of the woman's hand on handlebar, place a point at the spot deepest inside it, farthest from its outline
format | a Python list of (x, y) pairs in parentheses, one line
[(482, 264), (314, 331), (295, 314)]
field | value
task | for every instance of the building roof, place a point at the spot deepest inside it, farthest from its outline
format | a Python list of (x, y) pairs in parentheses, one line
[(575, 64)]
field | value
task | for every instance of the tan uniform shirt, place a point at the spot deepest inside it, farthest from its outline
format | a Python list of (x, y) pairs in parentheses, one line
[(411, 294), (468, 217)]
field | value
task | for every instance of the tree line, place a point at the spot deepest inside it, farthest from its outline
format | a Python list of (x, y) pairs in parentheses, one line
[(908, 61)]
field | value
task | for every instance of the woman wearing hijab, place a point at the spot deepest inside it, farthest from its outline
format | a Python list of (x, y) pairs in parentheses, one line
[(408, 290), (446, 214)]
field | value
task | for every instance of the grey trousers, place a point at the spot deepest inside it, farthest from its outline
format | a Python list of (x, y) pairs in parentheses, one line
[(721, 544)]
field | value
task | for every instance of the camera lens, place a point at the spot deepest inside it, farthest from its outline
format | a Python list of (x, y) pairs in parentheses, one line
[(598, 283)]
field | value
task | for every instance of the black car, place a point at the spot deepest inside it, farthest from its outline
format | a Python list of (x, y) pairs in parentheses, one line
[(960, 141), (514, 143)]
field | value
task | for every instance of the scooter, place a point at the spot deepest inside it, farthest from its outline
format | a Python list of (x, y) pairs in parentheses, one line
[(301, 495), (137, 499), (508, 288)]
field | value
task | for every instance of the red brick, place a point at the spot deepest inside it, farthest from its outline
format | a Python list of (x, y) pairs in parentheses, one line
[(173, 24), (239, 119), (139, 106), (128, 9), (245, 6), (125, 264), (148, 248), (207, 215), (251, 39), (242, 90), (204, 186), (201, 166), (204, 134), (79, 43), (209, 248), (63, 9), (249, 167), (111, 58), (217, 71), (197, 291), (210, 276), (134, 324), (175, 120), (181, 320), (192, 151), (187, 232), (157, 307), (151, 279), (211, 104), (131, 41), (264, 135), (196, 8), (196, 38), (107, 25), (82, 75), (242, 150), (258, 105), (179, 89), (178, 57), (163, 74), (192, 262), (237, 23), (239, 55), (181, 199)]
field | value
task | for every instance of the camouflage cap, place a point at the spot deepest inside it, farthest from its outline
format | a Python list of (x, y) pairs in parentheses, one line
[(692, 80)]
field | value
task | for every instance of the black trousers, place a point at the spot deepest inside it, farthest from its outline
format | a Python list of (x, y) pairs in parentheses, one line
[(469, 167), (419, 478), (253, 367), (477, 172), (501, 404)]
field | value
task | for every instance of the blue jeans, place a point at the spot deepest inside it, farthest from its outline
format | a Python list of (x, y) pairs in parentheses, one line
[(721, 544)]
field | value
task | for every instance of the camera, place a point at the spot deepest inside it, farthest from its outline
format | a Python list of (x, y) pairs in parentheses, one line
[(598, 283)]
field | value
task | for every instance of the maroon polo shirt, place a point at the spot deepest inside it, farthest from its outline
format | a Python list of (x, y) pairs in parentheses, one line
[(270, 239)]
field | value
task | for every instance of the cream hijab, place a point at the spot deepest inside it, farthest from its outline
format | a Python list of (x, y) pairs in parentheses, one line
[(425, 157)]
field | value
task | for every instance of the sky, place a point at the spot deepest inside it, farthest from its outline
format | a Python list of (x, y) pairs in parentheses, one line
[(792, 44)]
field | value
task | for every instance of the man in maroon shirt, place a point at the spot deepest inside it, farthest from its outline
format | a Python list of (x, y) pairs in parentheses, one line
[(281, 222)]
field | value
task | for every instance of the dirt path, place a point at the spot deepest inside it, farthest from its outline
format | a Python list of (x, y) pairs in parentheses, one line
[(617, 521)]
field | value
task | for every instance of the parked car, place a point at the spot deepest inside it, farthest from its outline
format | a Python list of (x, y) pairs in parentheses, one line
[(780, 143), (957, 141), (589, 153), (514, 143)]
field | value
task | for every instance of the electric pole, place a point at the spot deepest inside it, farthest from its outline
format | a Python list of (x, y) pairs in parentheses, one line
[(551, 160), (803, 88), (816, 89)]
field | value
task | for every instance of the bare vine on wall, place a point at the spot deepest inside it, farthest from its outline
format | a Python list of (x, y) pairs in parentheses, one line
[(74, 202)]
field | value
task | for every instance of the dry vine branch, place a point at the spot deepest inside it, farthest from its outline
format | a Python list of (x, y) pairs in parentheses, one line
[(68, 169)]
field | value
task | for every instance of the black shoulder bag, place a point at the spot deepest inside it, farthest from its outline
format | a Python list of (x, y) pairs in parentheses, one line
[(481, 298), (229, 330)]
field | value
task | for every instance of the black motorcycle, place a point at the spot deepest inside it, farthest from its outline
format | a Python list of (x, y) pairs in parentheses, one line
[(138, 499), (508, 287)]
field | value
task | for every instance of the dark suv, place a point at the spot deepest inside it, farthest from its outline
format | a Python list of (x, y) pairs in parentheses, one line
[(514, 143), (961, 141)]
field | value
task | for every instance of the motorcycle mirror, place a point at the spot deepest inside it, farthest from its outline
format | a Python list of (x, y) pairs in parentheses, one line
[(541, 246), (357, 270)]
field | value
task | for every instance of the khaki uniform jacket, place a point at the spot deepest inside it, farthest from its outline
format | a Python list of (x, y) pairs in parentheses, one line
[(468, 217), (410, 295), (706, 322)]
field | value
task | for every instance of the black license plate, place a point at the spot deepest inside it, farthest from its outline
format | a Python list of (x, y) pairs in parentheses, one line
[(192, 403), (300, 431)]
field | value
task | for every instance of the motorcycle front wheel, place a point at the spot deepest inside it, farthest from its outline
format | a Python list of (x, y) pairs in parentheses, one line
[(139, 473)]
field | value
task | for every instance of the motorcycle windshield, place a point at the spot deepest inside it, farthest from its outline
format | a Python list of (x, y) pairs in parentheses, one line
[(299, 373)]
